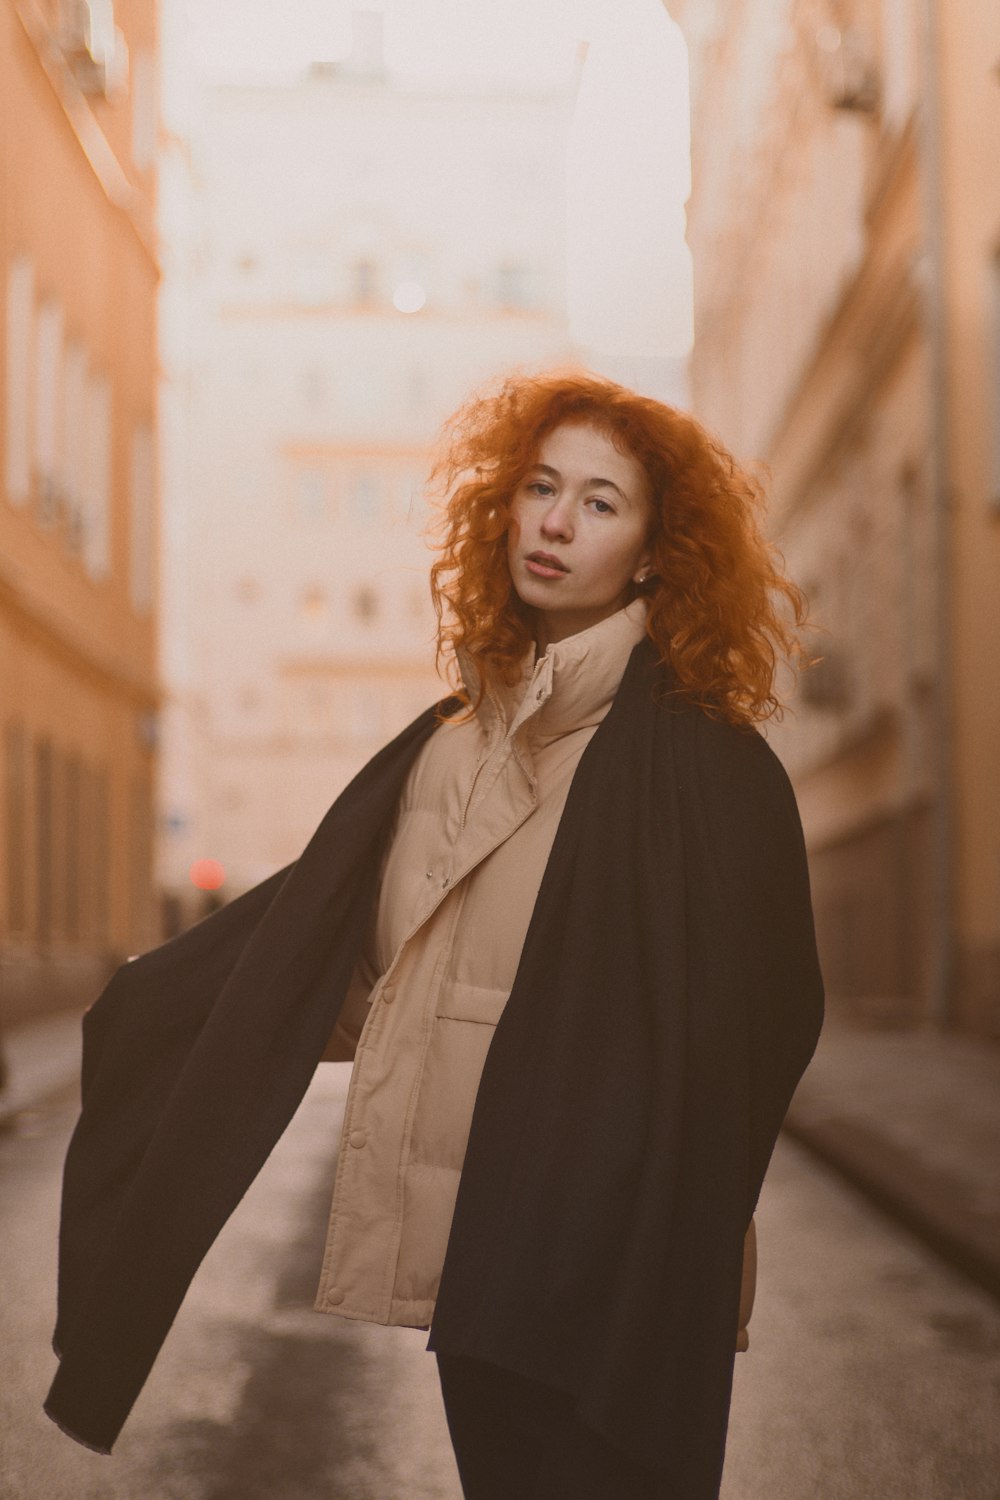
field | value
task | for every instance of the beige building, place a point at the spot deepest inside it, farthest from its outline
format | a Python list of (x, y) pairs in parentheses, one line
[(78, 688), (346, 255), (845, 226)]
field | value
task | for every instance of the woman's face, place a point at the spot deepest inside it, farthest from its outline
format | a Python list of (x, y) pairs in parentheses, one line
[(580, 525)]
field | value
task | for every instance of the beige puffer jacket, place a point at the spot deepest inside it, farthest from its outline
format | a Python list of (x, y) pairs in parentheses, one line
[(473, 831)]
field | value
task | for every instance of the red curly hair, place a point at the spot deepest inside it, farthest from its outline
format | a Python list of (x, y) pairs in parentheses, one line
[(721, 613)]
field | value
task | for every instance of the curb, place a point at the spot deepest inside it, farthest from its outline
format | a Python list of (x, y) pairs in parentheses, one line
[(928, 1204)]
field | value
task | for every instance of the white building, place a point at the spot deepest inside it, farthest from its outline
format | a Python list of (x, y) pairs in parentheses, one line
[(346, 256)]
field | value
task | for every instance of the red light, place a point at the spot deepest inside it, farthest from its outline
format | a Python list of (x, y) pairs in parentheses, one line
[(207, 874)]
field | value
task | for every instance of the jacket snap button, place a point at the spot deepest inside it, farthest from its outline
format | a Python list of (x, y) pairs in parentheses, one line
[(334, 1296), (388, 995), (357, 1138)]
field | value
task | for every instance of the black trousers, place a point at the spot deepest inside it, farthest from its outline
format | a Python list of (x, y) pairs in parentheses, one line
[(516, 1440)]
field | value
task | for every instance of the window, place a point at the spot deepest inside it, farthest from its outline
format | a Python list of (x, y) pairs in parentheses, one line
[(313, 277), (312, 491), (314, 386), (513, 288), (994, 386), (364, 714), (364, 276), (44, 840), (143, 510), (97, 477), (20, 297), (414, 498), (417, 390), (48, 369), (74, 443), (898, 61), (93, 45), (419, 603), (314, 605), (140, 863), (365, 497), (101, 856), (86, 863), (364, 604), (16, 813), (316, 704), (72, 833)]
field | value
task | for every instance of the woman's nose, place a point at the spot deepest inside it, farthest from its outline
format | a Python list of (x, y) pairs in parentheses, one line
[(557, 520)]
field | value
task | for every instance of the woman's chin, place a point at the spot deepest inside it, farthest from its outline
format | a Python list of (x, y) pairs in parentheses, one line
[(541, 594)]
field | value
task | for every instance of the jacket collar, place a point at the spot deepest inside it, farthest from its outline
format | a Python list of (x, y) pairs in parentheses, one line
[(570, 687)]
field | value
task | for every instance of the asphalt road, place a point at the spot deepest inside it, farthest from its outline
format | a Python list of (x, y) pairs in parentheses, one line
[(873, 1373)]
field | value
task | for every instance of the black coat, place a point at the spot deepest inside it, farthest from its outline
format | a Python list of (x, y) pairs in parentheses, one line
[(667, 1001)]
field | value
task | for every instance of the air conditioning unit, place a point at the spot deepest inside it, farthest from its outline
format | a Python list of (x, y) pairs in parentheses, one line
[(95, 47), (849, 73)]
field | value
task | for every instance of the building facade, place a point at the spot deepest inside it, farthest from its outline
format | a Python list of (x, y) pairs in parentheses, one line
[(78, 680), (346, 256), (845, 227)]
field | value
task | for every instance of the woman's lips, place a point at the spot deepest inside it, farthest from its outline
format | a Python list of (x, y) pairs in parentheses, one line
[(542, 565)]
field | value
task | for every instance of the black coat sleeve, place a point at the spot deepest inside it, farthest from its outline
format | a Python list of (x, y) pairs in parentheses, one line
[(136, 1037)]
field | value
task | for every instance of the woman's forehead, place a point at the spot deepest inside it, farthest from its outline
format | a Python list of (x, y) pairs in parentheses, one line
[(583, 444)]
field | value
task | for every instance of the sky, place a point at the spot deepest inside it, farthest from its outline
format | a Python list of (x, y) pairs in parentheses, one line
[(629, 270)]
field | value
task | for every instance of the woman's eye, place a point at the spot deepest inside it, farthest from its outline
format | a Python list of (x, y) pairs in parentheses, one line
[(603, 507), (541, 488)]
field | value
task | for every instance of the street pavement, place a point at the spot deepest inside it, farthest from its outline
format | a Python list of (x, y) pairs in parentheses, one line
[(874, 1369), (255, 1396), (913, 1119)]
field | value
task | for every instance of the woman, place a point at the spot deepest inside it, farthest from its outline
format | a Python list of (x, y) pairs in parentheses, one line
[(563, 924)]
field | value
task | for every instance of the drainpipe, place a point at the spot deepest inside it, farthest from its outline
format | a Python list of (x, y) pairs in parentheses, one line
[(942, 976)]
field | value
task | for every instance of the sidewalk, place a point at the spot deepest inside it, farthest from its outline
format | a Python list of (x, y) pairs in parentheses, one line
[(913, 1120), (43, 1058)]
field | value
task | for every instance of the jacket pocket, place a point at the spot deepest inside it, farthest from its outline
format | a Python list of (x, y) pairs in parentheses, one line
[(471, 1002)]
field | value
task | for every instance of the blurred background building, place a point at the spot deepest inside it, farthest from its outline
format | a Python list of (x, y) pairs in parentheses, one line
[(348, 249), (348, 253), (329, 298), (78, 676), (845, 229)]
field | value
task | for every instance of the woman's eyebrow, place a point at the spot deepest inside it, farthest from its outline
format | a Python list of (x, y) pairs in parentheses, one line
[(606, 483)]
